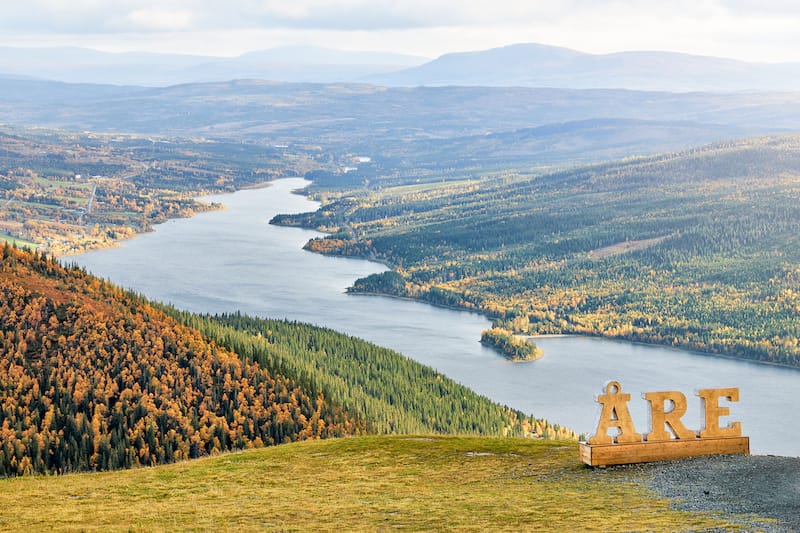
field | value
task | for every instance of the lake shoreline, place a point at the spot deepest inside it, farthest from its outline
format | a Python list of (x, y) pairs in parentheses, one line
[(117, 242), (196, 196), (404, 298), (385, 262)]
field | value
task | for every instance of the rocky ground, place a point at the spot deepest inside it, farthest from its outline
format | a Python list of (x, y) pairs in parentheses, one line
[(760, 492)]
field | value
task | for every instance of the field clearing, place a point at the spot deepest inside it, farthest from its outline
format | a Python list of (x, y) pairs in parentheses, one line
[(365, 483), (624, 247), (425, 187), (68, 184), (16, 242)]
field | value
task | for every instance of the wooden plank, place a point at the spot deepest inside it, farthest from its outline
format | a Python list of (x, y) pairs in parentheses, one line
[(645, 452)]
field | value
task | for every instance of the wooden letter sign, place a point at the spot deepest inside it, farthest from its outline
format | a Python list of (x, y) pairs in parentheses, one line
[(668, 438)]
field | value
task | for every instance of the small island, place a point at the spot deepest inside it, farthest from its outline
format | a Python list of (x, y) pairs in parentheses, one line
[(513, 347), (388, 283)]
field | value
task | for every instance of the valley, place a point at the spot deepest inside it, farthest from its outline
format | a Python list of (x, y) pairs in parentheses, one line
[(97, 378), (558, 387), (307, 288)]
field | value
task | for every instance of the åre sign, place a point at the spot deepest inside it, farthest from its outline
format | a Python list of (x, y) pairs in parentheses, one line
[(668, 438)]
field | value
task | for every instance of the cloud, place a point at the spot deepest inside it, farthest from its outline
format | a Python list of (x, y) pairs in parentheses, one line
[(750, 29), (99, 16), (155, 20), (102, 16), (376, 15), (767, 8), (95, 16), (345, 15)]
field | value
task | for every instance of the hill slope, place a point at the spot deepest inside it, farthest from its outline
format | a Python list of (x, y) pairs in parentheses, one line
[(94, 378), (698, 249), (358, 484)]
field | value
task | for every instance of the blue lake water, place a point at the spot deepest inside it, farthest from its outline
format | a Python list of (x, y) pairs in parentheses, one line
[(234, 260)]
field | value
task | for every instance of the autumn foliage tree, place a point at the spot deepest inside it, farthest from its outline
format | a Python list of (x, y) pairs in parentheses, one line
[(94, 378)]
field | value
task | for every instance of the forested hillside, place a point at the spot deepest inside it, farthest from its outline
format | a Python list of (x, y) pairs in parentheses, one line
[(95, 378), (392, 393), (697, 249)]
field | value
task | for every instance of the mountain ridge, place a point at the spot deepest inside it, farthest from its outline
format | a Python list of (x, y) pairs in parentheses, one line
[(516, 65), (152, 69), (538, 65)]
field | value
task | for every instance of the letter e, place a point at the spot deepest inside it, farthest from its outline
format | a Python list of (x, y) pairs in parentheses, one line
[(709, 398)]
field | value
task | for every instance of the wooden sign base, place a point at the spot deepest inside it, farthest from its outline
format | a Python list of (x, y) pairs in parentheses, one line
[(668, 450)]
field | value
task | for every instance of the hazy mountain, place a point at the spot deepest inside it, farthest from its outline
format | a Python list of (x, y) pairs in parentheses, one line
[(4, 76), (302, 64), (522, 65), (321, 56), (82, 65), (536, 65), (24, 91), (291, 64), (452, 124)]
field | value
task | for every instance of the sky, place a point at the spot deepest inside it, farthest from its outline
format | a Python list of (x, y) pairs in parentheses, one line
[(750, 30)]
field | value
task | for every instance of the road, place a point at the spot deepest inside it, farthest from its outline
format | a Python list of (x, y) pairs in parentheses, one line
[(88, 209)]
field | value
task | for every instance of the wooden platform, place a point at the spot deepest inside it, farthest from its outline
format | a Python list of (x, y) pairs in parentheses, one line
[(647, 452)]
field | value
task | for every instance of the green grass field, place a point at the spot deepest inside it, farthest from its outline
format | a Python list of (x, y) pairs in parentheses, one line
[(353, 484), (17, 242)]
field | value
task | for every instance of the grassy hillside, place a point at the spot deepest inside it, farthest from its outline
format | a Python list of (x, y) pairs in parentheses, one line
[(697, 249), (354, 484)]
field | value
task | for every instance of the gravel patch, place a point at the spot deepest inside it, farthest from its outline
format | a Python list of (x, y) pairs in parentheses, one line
[(744, 489)]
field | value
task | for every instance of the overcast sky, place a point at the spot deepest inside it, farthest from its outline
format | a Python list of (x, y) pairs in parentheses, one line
[(754, 30)]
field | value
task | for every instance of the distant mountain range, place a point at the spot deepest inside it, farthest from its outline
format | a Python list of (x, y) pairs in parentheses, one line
[(291, 64), (521, 65), (536, 65)]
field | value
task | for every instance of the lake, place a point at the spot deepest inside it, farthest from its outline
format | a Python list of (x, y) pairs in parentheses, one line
[(234, 260)]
